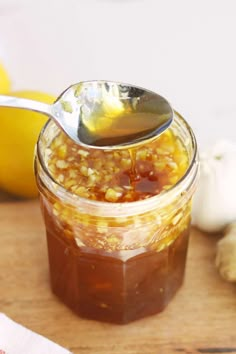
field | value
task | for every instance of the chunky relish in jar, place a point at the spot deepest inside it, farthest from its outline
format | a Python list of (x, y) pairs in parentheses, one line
[(116, 252), (120, 175)]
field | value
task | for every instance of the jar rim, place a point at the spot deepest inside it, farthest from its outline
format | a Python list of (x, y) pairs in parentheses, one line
[(128, 208)]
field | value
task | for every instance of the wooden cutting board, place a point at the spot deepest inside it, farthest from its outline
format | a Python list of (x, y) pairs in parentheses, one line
[(200, 319)]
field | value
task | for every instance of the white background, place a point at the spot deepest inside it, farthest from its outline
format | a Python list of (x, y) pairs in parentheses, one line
[(183, 49)]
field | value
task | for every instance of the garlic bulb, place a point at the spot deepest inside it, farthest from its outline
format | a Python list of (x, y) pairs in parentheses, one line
[(214, 204)]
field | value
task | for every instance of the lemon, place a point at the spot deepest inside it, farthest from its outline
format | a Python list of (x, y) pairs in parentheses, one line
[(19, 130), (4, 81)]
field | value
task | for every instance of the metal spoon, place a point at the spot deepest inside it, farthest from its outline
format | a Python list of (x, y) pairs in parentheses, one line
[(102, 114)]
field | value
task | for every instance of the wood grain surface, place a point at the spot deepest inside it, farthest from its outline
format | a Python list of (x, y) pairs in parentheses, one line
[(200, 319)]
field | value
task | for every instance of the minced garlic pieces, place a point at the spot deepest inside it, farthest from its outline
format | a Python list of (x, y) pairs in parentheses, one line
[(118, 176)]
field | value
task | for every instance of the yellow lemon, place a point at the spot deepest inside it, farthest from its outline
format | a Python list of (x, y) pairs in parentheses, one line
[(19, 130), (4, 81)]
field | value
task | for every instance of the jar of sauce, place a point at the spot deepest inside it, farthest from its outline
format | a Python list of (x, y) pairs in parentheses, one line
[(117, 222)]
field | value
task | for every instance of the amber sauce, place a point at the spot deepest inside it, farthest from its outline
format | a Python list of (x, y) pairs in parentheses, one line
[(100, 280), (116, 287), (120, 126)]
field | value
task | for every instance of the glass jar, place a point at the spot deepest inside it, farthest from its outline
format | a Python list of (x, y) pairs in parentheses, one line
[(117, 262)]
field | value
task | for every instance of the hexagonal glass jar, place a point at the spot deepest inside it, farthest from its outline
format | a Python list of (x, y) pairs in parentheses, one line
[(117, 262)]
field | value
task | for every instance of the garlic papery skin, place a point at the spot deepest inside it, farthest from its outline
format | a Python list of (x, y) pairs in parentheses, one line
[(214, 203)]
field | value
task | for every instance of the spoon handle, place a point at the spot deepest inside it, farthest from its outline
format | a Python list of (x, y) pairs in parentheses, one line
[(15, 102)]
